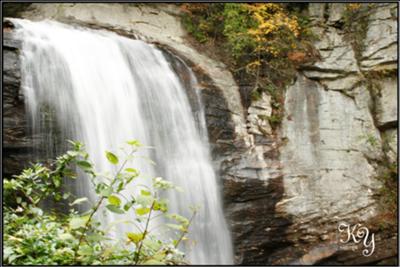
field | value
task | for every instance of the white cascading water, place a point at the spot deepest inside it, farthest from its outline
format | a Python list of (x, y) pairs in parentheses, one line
[(105, 89)]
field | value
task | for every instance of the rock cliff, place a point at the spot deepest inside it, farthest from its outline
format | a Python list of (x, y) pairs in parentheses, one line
[(285, 190)]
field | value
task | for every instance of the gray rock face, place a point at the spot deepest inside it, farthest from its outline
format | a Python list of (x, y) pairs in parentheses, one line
[(258, 114), (333, 125), (381, 40), (391, 137), (325, 160), (286, 190), (386, 106)]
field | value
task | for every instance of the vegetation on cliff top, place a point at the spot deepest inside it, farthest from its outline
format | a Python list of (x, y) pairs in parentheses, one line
[(33, 236), (262, 43)]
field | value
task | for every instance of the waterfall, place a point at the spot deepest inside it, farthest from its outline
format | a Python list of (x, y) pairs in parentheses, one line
[(104, 89)]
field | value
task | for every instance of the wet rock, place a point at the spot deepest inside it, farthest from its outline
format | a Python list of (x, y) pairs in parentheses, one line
[(17, 145)]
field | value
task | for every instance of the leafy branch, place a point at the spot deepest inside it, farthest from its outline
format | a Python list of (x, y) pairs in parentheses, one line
[(72, 238), (114, 160)]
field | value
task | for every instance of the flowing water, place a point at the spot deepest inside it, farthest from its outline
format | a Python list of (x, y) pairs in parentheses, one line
[(104, 89)]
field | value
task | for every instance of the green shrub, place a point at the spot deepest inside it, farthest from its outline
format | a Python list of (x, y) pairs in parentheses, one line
[(261, 43), (237, 22), (203, 21), (35, 236)]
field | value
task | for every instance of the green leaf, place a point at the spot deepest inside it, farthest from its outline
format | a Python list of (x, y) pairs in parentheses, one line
[(105, 192), (112, 158), (70, 174), (114, 209), (73, 153), (114, 200), (57, 196), (142, 211), (128, 205), (135, 237), (7, 251), (96, 238), (56, 181), (179, 218), (120, 187), (84, 164), (13, 257), (144, 200), (76, 144), (66, 236), (145, 193), (160, 183), (37, 211), (79, 201), (85, 250), (77, 222), (135, 143), (160, 205), (134, 173)]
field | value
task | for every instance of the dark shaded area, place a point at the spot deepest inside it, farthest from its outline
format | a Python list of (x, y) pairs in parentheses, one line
[(258, 229), (17, 145), (15, 9), (296, 7)]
